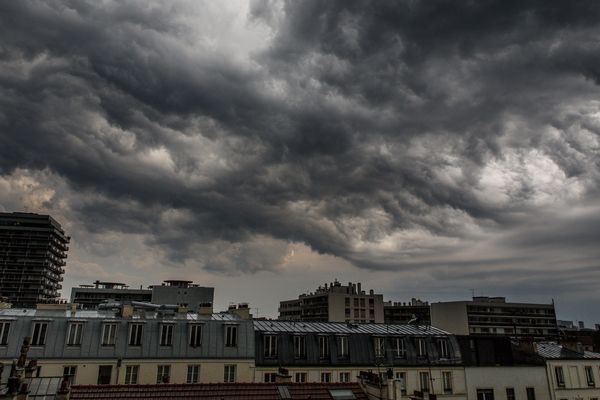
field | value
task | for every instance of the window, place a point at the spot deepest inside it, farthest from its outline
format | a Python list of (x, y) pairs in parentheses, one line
[(344, 376), (424, 381), (166, 335), (193, 373), (74, 334), (109, 334), (421, 348), (401, 376), (530, 393), (69, 372), (231, 336), (443, 348), (195, 335), (270, 342), (342, 342), (163, 374), (485, 394), (229, 373), (379, 347), (510, 394), (323, 347), (104, 374), (38, 338), (300, 377), (447, 381), (300, 346), (270, 377), (589, 374), (325, 377), (399, 348), (560, 377), (135, 334), (131, 374), (4, 328)]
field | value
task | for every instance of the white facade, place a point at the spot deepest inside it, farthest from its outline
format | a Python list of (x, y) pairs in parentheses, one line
[(576, 382), (506, 381)]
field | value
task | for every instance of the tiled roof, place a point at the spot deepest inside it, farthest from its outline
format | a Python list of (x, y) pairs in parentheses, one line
[(225, 391), (556, 351), (343, 328)]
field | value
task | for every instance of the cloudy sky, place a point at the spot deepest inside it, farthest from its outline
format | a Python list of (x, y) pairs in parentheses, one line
[(425, 148)]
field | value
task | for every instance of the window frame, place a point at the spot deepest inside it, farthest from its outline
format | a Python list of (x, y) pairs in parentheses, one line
[(111, 327), (42, 333), (231, 335), (72, 375), (447, 382), (559, 376), (139, 335), (421, 348), (162, 371), (342, 346), (166, 335), (379, 346), (400, 350), (324, 352), (270, 349), (193, 373), (195, 333), (325, 377), (229, 373), (132, 374), (589, 376), (303, 375), (444, 348), (74, 334), (4, 332), (427, 387)]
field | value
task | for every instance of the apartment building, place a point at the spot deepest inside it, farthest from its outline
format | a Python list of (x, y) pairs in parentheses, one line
[(33, 252), (414, 311), (130, 345), (572, 373), (494, 316), (335, 302)]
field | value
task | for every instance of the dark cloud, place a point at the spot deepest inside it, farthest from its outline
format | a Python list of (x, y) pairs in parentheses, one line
[(395, 135)]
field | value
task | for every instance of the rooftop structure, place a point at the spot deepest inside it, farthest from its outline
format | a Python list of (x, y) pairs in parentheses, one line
[(90, 296), (405, 312), (33, 252)]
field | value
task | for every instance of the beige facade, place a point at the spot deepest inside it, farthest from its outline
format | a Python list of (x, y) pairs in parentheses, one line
[(575, 384), (86, 371), (504, 381)]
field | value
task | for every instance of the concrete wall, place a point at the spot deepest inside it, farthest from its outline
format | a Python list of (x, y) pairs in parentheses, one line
[(451, 317), (501, 378)]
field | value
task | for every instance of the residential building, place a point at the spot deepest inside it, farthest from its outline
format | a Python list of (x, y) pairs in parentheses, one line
[(335, 303), (33, 252), (183, 293), (130, 344), (500, 369), (572, 374), (494, 316), (89, 296), (415, 311), (422, 358)]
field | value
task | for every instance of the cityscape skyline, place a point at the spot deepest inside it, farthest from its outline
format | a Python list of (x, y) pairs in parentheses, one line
[(265, 147)]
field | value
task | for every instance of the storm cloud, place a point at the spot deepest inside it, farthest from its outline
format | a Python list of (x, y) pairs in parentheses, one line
[(454, 144)]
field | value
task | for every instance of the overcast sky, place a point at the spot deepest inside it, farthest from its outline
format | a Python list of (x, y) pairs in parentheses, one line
[(425, 148)]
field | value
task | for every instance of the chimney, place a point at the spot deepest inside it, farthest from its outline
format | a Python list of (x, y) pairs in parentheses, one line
[(283, 376), (205, 309), (126, 310), (358, 288)]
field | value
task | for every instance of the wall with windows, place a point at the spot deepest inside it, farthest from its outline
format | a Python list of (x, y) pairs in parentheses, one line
[(574, 379), (504, 382)]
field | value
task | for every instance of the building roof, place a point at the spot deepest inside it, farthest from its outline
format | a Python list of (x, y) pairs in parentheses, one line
[(225, 391), (551, 350), (343, 328), (104, 314)]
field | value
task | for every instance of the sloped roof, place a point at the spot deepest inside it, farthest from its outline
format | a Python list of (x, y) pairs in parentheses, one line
[(551, 350), (343, 328), (225, 391)]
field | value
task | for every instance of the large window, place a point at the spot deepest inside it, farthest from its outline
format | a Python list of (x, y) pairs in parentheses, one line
[(399, 348), (270, 344), (589, 375), (300, 346), (109, 334), (163, 374), (38, 337), (231, 335), (342, 342), (4, 329), (447, 381), (131, 374), (485, 394), (135, 334), (74, 334), (229, 373), (270, 377), (300, 377), (421, 348), (166, 335), (560, 377), (193, 373), (326, 377), (104, 374), (424, 381), (323, 347), (379, 343), (344, 377), (195, 335), (443, 344)]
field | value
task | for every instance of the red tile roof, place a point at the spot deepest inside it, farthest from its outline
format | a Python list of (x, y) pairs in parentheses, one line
[(218, 391)]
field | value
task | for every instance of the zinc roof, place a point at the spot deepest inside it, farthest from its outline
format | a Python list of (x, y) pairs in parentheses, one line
[(343, 328)]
